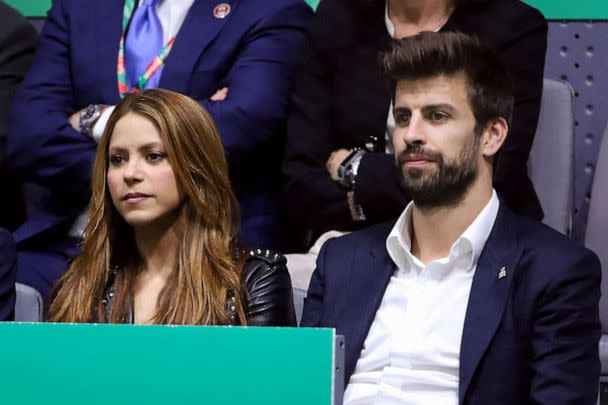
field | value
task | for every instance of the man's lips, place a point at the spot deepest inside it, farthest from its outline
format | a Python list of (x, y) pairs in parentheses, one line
[(418, 160)]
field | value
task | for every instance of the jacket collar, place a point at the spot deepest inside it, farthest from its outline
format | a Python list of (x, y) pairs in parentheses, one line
[(198, 30), (489, 292), (370, 273), (196, 33)]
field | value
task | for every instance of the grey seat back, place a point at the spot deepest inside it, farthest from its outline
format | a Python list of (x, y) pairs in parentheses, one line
[(596, 237), (29, 305), (551, 159)]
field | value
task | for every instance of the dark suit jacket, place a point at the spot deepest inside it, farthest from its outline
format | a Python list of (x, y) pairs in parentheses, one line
[(17, 42), (340, 99), (251, 51), (8, 272), (530, 337)]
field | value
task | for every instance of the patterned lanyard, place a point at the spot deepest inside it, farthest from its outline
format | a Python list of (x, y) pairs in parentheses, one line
[(155, 64)]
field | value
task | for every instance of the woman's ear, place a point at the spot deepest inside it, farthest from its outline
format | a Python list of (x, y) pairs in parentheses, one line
[(494, 136)]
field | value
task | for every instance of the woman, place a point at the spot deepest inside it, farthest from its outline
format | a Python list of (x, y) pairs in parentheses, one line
[(341, 101), (158, 245)]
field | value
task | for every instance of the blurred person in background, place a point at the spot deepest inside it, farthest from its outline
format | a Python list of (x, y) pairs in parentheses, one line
[(17, 43)]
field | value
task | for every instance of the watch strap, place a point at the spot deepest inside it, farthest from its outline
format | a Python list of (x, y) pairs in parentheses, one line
[(356, 211)]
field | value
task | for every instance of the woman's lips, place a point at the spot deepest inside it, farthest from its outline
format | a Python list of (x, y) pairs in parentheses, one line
[(134, 198)]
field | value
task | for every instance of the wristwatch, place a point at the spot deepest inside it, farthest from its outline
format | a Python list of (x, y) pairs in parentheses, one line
[(347, 171), (88, 118)]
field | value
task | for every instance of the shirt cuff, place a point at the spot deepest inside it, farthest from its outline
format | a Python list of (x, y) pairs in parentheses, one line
[(101, 123)]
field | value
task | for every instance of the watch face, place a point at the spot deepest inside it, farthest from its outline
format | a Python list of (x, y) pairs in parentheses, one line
[(89, 112), (88, 117)]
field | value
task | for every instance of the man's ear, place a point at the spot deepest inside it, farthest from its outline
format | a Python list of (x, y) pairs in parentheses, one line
[(494, 136)]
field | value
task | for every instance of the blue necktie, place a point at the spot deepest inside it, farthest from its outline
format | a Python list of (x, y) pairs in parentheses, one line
[(144, 41)]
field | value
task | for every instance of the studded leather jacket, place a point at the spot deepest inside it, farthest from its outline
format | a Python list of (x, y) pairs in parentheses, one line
[(269, 300)]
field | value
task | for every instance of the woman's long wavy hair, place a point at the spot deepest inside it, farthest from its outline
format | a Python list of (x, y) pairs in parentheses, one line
[(206, 271)]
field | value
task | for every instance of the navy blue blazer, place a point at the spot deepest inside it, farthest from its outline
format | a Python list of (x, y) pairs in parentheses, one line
[(530, 337), (252, 52), (8, 271)]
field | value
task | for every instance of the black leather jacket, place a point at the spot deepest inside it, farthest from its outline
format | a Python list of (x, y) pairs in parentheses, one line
[(267, 287)]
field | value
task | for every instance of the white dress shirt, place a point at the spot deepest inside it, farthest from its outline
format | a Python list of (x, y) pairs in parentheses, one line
[(171, 14), (412, 351)]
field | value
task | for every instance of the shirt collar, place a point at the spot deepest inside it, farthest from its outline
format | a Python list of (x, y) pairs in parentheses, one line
[(469, 244), (387, 20)]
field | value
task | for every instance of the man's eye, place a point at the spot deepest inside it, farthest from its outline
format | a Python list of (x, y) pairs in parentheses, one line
[(439, 116), (402, 119), (155, 156), (116, 160)]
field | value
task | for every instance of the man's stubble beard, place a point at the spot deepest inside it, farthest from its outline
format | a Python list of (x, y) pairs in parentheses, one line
[(445, 184)]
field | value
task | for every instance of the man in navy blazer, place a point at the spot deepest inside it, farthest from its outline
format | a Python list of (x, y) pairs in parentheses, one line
[(461, 301), (234, 56)]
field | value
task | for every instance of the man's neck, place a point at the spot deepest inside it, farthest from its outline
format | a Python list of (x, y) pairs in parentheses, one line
[(420, 12), (434, 230)]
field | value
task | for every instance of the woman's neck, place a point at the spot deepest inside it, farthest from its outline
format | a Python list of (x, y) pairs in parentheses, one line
[(414, 16), (158, 247)]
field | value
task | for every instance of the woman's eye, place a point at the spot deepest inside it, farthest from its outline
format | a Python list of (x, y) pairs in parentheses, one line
[(155, 156), (116, 160)]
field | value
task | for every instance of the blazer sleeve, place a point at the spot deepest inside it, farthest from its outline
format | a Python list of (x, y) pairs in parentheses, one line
[(313, 303), (523, 51), (269, 293), (17, 42), (42, 146), (255, 110), (8, 273), (565, 362)]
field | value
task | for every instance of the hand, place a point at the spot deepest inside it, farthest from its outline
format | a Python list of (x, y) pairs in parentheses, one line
[(220, 95), (75, 119), (335, 159)]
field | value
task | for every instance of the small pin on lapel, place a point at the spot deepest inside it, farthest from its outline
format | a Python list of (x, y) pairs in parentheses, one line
[(502, 273), (221, 10)]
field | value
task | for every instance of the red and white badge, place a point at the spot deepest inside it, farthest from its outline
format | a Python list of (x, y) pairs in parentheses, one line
[(221, 10)]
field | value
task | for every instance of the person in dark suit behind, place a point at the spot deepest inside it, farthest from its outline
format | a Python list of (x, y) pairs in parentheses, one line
[(17, 42), (461, 300), (234, 57), (340, 102), (8, 272)]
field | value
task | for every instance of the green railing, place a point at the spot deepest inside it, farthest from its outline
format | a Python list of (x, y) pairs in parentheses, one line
[(132, 364), (552, 9)]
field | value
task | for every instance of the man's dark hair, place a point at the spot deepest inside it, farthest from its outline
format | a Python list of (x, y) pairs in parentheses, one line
[(430, 54)]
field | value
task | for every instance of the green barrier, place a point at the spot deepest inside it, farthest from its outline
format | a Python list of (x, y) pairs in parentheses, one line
[(556, 9), (569, 10), (134, 364), (552, 9), (31, 8)]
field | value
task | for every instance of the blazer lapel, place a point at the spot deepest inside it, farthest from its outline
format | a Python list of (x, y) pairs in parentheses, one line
[(370, 274), (199, 28), (489, 293)]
